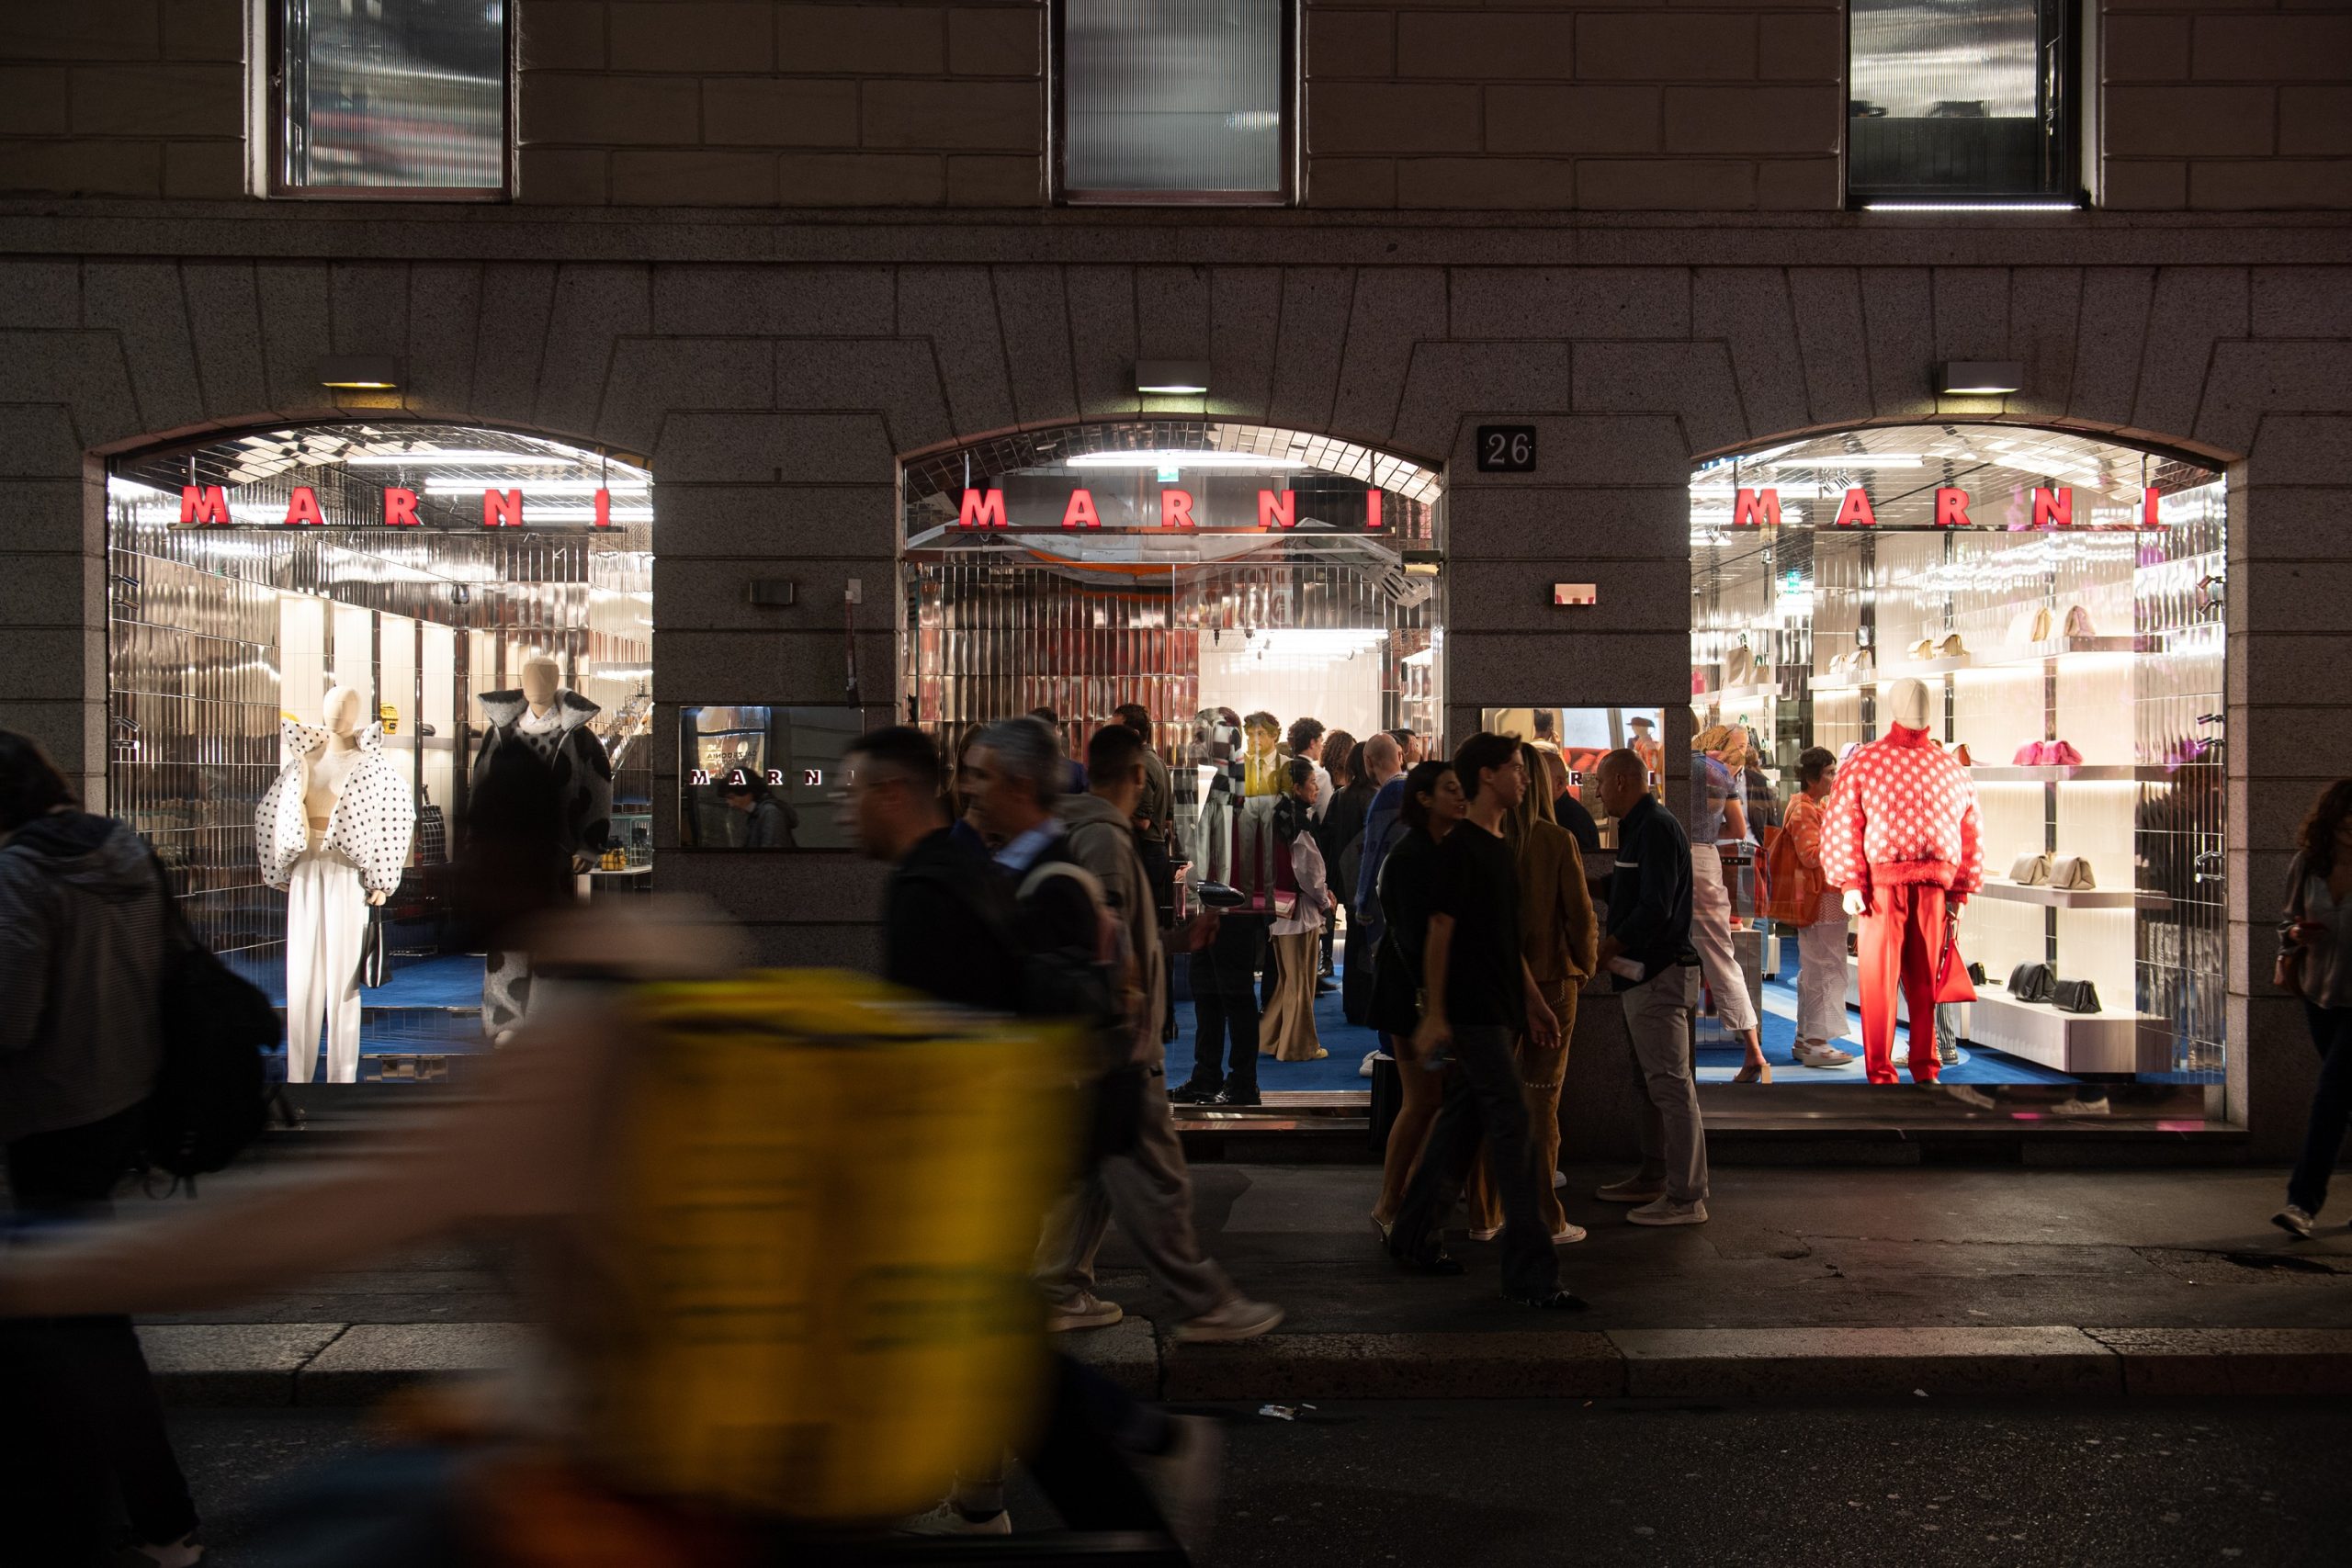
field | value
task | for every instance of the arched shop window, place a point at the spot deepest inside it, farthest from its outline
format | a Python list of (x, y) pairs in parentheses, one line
[(1205, 571), (432, 570), (2057, 598)]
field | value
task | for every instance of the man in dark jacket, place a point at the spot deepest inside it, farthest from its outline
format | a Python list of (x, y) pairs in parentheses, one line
[(1646, 950), (945, 917), (82, 934)]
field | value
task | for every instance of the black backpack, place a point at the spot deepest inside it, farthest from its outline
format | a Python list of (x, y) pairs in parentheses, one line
[(211, 1096)]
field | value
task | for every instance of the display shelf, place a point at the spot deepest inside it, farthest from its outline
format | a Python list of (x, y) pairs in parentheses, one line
[(2059, 898), (1933, 667), (2072, 1043), (2082, 772), (1762, 692), (2060, 646)]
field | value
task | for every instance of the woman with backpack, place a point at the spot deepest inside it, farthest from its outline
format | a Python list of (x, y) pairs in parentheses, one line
[(83, 939)]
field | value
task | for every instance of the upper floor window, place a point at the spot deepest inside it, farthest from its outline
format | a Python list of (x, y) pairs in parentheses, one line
[(388, 97), (1174, 100), (1959, 100)]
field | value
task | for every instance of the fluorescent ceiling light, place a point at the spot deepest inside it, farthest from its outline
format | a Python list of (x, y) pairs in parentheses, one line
[(1181, 377), (1966, 376), (1970, 207), (371, 371), (535, 487), (588, 514), (463, 460), (1855, 460), (1180, 460)]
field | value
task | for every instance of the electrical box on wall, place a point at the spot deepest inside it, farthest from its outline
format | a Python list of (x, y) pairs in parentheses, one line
[(1576, 593)]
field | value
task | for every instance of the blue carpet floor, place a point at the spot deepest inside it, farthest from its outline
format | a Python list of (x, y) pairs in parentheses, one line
[(1718, 1058), (1343, 1069)]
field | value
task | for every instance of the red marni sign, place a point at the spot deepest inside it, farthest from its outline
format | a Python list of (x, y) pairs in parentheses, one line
[(2051, 509), (208, 506)]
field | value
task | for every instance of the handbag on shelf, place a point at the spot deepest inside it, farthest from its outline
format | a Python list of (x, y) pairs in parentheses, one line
[(2033, 982), (431, 833), (2072, 873), (2060, 754), (1976, 973), (2030, 754), (2078, 621), (1739, 667), (2030, 871), (2074, 996), (1959, 754)]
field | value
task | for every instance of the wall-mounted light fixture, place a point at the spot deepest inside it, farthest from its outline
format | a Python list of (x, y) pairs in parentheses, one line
[(1174, 378), (372, 372), (1979, 378)]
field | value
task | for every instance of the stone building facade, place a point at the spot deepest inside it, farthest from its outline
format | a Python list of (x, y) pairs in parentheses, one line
[(779, 248)]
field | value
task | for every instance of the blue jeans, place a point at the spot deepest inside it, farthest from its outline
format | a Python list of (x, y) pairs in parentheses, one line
[(2331, 1107)]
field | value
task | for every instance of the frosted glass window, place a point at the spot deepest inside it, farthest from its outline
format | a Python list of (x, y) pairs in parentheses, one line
[(396, 95), (1174, 97), (1957, 97)]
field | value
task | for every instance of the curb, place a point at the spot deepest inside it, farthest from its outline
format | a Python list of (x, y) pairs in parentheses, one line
[(334, 1364)]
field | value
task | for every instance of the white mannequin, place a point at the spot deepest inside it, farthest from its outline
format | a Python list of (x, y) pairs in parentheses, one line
[(325, 772), (1907, 705)]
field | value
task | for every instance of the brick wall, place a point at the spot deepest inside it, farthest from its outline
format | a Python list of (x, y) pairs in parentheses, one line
[(2220, 107), (1720, 104)]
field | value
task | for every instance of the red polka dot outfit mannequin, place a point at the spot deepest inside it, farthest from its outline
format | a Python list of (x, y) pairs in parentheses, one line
[(1904, 829)]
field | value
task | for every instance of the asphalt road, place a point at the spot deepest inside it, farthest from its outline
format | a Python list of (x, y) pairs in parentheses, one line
[(1922, 1483)]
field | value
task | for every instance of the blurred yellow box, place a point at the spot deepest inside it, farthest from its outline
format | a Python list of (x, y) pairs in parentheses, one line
[(831, 1192)]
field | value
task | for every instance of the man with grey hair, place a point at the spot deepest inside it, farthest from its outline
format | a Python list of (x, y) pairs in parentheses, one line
[(1013, 777), (1646, 952)]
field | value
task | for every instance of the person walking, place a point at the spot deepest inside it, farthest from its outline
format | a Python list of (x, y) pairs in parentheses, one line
[(1384, 824), (1718, 816), (1479, 997), (1289, 1034), (2316, 962), (1559, 937), (1646, 950), (1434, 808), (1156, 812), (1342, 832), (768, 823), (1147, 1188), (85, 936), (1821, 943)]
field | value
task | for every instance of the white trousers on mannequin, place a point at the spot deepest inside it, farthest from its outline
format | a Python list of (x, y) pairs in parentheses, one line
[(1821, 972), (1710, 935), (326, 923)]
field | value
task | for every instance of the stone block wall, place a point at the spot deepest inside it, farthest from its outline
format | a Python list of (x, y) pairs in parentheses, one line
[(1544, 105), (2227, 107)]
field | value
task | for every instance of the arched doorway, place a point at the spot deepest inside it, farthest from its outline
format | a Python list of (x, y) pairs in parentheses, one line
[(2058, 599), (425, 567), (1233, 581)]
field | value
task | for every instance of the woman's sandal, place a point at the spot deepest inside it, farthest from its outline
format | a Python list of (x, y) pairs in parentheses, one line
[(1753, 1071)]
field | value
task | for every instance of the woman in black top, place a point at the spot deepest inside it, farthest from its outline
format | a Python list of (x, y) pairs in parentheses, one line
[(1433, 803), (1341, 834)]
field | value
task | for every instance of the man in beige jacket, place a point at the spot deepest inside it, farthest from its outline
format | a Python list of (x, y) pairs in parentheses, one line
[(1149, 1188)]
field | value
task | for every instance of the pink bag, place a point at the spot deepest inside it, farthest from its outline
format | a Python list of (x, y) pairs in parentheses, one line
[(2029, 755), (2060, 754)]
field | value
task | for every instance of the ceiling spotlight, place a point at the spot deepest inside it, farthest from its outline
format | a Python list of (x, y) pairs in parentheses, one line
[(1177, 378), (1963, 378), (375, 372)]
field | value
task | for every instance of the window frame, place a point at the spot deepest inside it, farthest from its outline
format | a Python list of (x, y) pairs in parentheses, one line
[(2062, 138), (1057, 92), (269, 34)]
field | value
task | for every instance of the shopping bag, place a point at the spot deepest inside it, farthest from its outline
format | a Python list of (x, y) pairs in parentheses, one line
[(1953, 982), (830, 1192)]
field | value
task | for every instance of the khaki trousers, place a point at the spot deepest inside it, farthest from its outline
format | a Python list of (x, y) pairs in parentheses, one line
[(1288, 1033), (1542, 1068)]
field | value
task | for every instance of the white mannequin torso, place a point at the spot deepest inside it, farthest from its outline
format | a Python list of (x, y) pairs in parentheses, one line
[(328, 772)]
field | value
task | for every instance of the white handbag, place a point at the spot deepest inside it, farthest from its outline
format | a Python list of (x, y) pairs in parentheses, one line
[(2072, 873), (1739, 668), (2030, 871)]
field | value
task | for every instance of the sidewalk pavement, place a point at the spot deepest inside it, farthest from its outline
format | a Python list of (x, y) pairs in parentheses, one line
[(1806, 1282)]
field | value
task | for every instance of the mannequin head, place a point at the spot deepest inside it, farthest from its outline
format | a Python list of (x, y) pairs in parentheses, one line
[(541, 676), (1906, 703), (341, 711)]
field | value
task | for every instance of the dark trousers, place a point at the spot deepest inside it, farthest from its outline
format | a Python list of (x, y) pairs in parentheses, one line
[(2331, 1107), (1225, 1003), (78, 1411), (1484, 1098)]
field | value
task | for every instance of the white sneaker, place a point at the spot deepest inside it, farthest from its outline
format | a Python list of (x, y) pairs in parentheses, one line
[(1088, 1311), (2078, 1105), (1183, 1481), (2295, 1221), (1240, 1318), (1369, 1058), (948, 1519), (1559, 1179), (1569, 1235), (1821, 1055), (1667, 1211), (1968, 1096), (1633, 1190)]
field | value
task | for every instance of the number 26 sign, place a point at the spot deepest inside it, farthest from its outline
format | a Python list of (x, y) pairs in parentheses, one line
[(1506, 448)]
